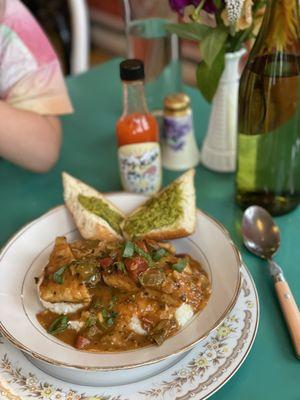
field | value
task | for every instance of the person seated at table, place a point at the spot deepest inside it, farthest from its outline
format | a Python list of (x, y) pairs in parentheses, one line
[(32, 91)]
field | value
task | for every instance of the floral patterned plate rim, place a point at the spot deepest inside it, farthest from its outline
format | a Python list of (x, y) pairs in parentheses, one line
[(203, 371)]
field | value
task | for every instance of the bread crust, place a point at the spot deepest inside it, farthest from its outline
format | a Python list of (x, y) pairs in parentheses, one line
[(167, 235), (92, 230), (89, 225)]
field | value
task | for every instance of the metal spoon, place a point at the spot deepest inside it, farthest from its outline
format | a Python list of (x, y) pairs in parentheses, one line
[(262, 237)]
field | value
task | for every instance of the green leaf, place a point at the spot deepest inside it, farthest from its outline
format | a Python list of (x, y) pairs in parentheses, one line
[(91, 321), (128, 249), (58, 275), (180, 265), (104, 313), (158, 254), (112, 302), (111, 318), (121, 267), (191, 31), (208, 78), (218, 3), (60, 324), (142, 253), (113, 314), (212, 44), (96, 304)]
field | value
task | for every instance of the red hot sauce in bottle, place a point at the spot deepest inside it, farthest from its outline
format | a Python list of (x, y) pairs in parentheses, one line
[(137, 134)]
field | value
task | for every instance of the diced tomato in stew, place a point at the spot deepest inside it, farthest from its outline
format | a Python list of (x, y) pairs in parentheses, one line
[(106, 262), (81, 342), (135, 266)]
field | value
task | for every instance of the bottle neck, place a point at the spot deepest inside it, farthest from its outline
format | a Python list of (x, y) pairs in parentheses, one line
[(280, 27), (134, 100)]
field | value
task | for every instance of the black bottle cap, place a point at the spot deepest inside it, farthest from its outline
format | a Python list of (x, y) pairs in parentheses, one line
[(132, 69)]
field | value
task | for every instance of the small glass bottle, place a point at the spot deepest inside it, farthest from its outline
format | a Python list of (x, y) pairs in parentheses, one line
[(137, 134), (179, 147)]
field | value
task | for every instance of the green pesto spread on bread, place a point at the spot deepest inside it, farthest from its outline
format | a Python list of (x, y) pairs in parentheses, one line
[(160, 211), (101, 209), (168, 215)]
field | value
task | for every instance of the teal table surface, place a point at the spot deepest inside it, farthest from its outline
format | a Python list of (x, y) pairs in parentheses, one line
[(271, 370)]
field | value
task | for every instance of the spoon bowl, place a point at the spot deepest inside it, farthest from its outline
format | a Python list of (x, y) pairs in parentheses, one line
[(260, 233)]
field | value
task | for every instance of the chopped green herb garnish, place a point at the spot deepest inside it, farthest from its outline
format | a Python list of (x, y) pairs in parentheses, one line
[(113, 301), (109, 317), (96, 304), (104, 313), (58, 275), (128, 249), (180, 265), (91, 321), (142, 253), (114, 298), (60, 324), (158, 254), (113, 314), (36, 279), (121, 266)]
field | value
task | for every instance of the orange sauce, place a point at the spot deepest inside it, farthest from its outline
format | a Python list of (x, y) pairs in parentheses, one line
[(195, 289), (136, 128), (121, 304)]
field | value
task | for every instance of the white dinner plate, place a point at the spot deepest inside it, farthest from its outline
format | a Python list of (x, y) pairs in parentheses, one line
[(26, 254)]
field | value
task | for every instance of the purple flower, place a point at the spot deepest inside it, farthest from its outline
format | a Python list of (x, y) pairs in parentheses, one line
[(210, 7), (179, 5)]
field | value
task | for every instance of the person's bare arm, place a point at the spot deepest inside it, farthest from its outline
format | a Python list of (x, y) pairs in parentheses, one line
[(29, 139)]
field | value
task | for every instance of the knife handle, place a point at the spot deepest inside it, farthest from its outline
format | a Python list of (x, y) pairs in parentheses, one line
[(290, 312)]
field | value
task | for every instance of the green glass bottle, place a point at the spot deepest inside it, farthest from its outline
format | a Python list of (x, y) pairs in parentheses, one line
[(268, 168)]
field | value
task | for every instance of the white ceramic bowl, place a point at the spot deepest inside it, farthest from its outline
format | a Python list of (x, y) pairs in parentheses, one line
[(26, 254)]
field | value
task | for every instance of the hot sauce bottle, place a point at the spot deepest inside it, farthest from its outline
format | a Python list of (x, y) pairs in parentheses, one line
[(137, 134)]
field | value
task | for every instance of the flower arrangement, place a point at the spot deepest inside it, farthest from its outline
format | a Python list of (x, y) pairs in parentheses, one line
[(220, 26)]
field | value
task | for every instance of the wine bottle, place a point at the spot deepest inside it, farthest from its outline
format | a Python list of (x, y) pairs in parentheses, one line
[(268, 165)]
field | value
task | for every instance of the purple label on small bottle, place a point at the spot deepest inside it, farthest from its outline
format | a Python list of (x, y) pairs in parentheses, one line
[(175, 131)]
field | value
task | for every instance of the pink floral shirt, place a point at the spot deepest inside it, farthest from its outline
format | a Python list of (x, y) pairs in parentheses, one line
[(30, 74)]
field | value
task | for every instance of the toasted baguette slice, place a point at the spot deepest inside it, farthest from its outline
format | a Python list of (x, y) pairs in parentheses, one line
[(90, 225), (160, 208)]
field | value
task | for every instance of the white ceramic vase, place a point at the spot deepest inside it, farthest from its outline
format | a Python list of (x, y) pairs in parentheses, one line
[(219, 148)]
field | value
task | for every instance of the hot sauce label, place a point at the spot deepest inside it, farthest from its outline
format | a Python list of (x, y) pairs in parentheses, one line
[(140, 167)]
